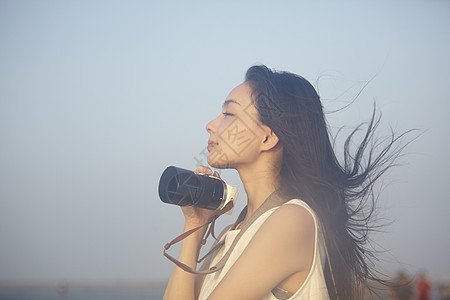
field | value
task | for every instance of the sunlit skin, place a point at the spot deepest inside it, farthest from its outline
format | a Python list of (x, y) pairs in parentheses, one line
[(257, 163), (271, 259)]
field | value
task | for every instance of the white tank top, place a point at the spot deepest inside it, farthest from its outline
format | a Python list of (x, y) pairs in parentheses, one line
[(314, 286)]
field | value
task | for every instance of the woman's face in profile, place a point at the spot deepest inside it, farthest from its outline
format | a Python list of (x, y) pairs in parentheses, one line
[(235, 135)]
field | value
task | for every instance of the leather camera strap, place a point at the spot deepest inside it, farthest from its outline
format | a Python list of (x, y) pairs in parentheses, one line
[(272, 201), (184, 235)]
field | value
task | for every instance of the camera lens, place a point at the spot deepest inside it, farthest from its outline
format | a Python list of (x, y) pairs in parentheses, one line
[(183, 187)]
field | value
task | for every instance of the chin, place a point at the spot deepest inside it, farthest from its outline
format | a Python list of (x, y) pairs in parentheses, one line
[(220, 164)]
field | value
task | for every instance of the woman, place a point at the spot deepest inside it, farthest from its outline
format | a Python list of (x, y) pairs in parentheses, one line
[(272, 130)]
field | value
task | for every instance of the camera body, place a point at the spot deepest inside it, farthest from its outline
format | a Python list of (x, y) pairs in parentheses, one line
[(183, 187)]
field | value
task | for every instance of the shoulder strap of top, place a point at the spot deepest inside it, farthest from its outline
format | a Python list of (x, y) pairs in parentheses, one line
[(320, 228), (274, 200)]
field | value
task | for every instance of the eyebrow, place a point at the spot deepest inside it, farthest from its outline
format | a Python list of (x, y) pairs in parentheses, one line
[(230, 101)]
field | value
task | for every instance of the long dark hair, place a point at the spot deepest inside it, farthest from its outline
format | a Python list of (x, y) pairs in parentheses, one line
[(341, 193)]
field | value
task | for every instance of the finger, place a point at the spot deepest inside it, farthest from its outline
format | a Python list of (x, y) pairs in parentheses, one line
[(216, 174), (199, 169), (204, 170)]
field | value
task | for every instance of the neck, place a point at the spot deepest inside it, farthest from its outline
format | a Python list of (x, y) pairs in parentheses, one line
[(259, 182)]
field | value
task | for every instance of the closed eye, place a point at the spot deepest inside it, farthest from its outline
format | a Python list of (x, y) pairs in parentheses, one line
[(227, 114)]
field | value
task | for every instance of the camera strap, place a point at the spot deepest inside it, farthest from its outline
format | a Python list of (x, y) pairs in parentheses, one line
[(274, 200)]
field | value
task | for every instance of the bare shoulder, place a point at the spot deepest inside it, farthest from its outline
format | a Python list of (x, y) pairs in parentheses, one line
[(291, 227), (292, 218), (284, 244)]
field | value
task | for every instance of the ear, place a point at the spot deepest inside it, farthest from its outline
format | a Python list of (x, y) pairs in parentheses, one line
[(270, 139)]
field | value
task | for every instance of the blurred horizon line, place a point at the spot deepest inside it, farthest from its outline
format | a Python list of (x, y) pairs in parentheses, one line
[(83, 284)]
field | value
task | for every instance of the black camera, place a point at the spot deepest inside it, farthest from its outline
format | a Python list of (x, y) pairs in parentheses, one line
[(183, 187)]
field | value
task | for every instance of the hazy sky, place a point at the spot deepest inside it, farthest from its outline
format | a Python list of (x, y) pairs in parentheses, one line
[(97, 98)]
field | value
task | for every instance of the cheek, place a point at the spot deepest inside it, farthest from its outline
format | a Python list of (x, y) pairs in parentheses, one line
[(238, 138)]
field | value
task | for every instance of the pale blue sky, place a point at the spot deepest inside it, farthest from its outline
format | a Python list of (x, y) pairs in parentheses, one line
[(98, 97)]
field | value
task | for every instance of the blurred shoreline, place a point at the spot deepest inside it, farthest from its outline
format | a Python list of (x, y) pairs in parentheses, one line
[(97, 290), (65, 290), (118, 285)]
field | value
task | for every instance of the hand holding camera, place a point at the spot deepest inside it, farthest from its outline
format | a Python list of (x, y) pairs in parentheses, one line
[(200, 194), (195, 216)]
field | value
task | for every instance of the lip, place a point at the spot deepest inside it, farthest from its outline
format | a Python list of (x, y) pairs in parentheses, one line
[(211, 145)]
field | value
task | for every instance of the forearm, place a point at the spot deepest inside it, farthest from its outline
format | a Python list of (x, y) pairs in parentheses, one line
[(182, 284)]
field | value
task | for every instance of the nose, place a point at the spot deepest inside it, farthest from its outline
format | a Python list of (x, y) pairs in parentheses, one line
[(211, 127)]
